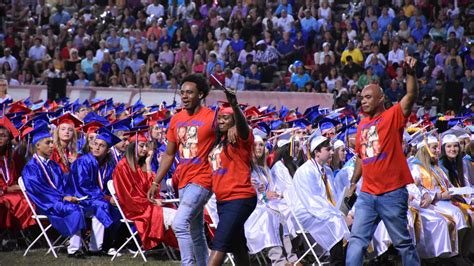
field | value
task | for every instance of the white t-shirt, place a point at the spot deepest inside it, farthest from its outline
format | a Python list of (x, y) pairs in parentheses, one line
[(158, 11), (286, 23)]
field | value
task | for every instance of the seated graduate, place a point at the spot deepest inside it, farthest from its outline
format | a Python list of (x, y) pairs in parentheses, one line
[(48, 189), (119, 129), (65, 140), (90, 174), (15, 214), (132, 179), (314, 200)]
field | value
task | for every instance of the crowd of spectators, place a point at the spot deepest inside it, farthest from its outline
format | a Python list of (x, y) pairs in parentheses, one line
[(283, 45)]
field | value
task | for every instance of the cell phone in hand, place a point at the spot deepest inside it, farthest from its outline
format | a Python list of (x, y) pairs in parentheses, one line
[(221, 86)]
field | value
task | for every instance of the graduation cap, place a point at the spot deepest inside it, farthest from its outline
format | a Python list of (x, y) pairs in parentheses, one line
[(276, 124), (107, 136), (39, 133), (327, 124), (37, 105), (137, 119), (76, 105), (301, 123), (19, 106), (67, 118), (260, 133), (283, 111), (86, 104), (106, 106), (160, 123), (264, 127), (137, 134), (137, 106), (26, 101), (252, 112), (120, 109), (38, 120), (91, 127), (315, 140), (5, 122), (92, 116), (121, 125), (311, 110), (284, 138)]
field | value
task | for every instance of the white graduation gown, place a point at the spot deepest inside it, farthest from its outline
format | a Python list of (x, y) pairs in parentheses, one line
[(318, 216), (262, 228), (282, 180)]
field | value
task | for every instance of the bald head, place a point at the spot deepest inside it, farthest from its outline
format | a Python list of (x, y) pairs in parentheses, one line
[(372, 99)]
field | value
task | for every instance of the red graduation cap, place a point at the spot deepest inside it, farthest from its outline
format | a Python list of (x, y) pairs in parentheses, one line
[(252, 112), (5, 122), (91, 127), (68, 118), (137, 134), (19, 106)]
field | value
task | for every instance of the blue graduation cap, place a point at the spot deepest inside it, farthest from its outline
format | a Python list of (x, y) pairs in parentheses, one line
[(137, 106), (311, 116), (171, 106), (274, 125), (137, 119), (86, 104), (283, 111), (107, 136), (311, 110), (76, 105), (120, 109), (121, 125), (39, 133), (299, 123), (327, 123), (107, 106), (264, 127), (27, 102), (92, 116)]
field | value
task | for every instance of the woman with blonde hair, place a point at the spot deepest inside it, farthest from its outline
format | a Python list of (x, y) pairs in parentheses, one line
[(65, 141), (437, 207)]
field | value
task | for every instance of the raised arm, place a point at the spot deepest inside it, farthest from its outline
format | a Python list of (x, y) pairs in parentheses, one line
[(241, 124), (407, 102)]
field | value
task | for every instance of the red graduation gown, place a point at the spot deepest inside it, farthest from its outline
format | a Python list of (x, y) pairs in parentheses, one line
[(131, 188), (55, 156), (14, 210)]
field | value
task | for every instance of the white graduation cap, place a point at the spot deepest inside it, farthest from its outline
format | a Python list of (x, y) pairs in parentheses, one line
[(284, 138), (429, 140), (449, 138), (257, 132), (338, 143)]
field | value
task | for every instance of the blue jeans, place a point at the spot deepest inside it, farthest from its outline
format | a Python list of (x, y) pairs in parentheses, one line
[(188, 225), (391, 208)]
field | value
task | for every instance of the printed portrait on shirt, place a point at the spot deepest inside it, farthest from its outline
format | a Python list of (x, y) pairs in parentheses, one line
[(370, 145), (188, 141), (215, 158)]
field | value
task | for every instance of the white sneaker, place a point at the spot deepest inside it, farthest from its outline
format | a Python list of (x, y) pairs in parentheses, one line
[(112, 252)]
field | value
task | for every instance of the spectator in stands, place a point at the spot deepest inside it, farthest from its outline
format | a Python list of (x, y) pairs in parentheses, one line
[(332, 78), (368, 78), (61, 16), (457, 29), (10, 59), (82, 81), (396, 55), (354, 52), (285, 21), (350, 69), (155, 9), (253, 78), (37, 51), (385, 19), (467, 81), (426, 109), (234, 79), (299, 77), (113, 41), (418, 31), (87, 64), (394, 93), (286, 48)]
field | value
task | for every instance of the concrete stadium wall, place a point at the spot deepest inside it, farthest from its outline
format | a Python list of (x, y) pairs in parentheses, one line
[(154, 96)]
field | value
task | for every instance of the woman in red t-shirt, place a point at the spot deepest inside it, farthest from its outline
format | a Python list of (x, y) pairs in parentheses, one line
[(236, 197)]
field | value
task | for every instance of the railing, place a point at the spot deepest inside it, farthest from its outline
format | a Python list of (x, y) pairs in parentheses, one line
[(155, 96)]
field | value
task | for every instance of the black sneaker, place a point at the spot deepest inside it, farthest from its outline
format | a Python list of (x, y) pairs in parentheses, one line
[(77, 255)]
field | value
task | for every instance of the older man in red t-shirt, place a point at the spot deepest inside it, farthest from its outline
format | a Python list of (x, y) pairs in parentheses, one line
[(382, 163)]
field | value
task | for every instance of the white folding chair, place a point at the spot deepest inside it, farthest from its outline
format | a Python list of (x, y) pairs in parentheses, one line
[(38, 219), (301, 230), (110, 186)]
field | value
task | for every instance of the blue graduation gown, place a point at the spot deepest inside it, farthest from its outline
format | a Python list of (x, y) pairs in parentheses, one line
[(66, 217), (155, 164), (85, 178)]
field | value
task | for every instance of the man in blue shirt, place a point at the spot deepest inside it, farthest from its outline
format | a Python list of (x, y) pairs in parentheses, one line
[(212, 62), (286, 47), (384, 19), (419, 31), (284, 5), (60, 17), (375, 32), (309, 25)]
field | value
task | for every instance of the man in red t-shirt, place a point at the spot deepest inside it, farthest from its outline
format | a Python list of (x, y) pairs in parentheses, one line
[(191, 135), (381, 161)]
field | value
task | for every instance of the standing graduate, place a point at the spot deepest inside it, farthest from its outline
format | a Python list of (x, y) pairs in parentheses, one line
[(90, 174), (132, 179), (65, 140), (231, 183), (48, 189), (15, 214)]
